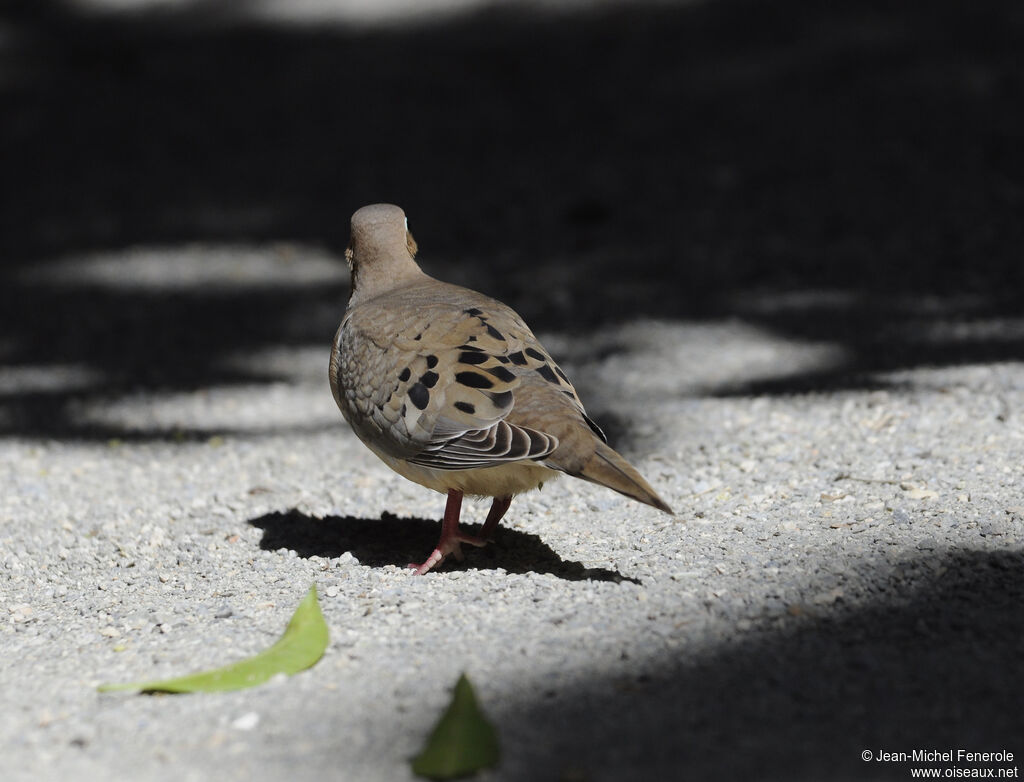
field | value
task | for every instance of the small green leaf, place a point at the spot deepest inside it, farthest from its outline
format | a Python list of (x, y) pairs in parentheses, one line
[(302, 644), (463, 741)]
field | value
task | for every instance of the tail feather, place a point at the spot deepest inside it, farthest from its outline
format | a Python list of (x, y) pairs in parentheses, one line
[(606, 467)]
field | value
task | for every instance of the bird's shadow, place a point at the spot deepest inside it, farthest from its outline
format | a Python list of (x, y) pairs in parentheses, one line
[(391, 540)]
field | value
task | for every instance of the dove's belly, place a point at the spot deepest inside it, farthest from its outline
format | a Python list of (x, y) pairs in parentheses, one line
[(502, 480)]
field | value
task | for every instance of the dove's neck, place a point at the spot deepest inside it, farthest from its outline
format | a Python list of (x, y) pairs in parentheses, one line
[(375, 279)]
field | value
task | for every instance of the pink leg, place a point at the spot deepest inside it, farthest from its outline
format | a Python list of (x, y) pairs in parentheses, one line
[(451, 537), (498, 509)]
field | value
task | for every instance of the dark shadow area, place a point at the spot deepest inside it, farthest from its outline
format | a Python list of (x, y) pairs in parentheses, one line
[(888, 334), (936, 662), (139, 341), (391, 540), (587, 167)]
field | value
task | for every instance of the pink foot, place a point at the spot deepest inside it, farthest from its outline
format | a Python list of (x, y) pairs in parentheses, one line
[(452, 538), (450, 544)]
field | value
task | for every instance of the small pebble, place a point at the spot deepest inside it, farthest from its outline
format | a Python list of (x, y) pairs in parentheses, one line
[(247, 721)]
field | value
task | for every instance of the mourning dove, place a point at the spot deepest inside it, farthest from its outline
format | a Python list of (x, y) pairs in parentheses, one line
[(452, 390)]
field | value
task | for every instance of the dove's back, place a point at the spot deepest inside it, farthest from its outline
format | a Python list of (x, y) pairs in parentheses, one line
[(422, 363)]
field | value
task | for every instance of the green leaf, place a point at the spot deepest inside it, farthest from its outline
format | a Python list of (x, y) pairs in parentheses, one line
[(302, 644), (463, 741)]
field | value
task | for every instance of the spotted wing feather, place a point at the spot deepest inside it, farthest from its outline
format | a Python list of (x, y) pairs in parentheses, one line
[(446, 391)]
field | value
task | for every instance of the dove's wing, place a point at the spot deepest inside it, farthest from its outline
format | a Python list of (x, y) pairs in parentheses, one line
[(439, 391)]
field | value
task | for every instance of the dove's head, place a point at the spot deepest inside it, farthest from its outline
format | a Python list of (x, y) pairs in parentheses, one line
[(381, 251)]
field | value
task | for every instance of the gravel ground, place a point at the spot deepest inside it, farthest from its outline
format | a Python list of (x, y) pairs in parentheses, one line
[(818, 361), (844, 573)]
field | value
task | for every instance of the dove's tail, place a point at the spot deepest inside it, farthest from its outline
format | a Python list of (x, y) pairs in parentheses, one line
[(606, 467)]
